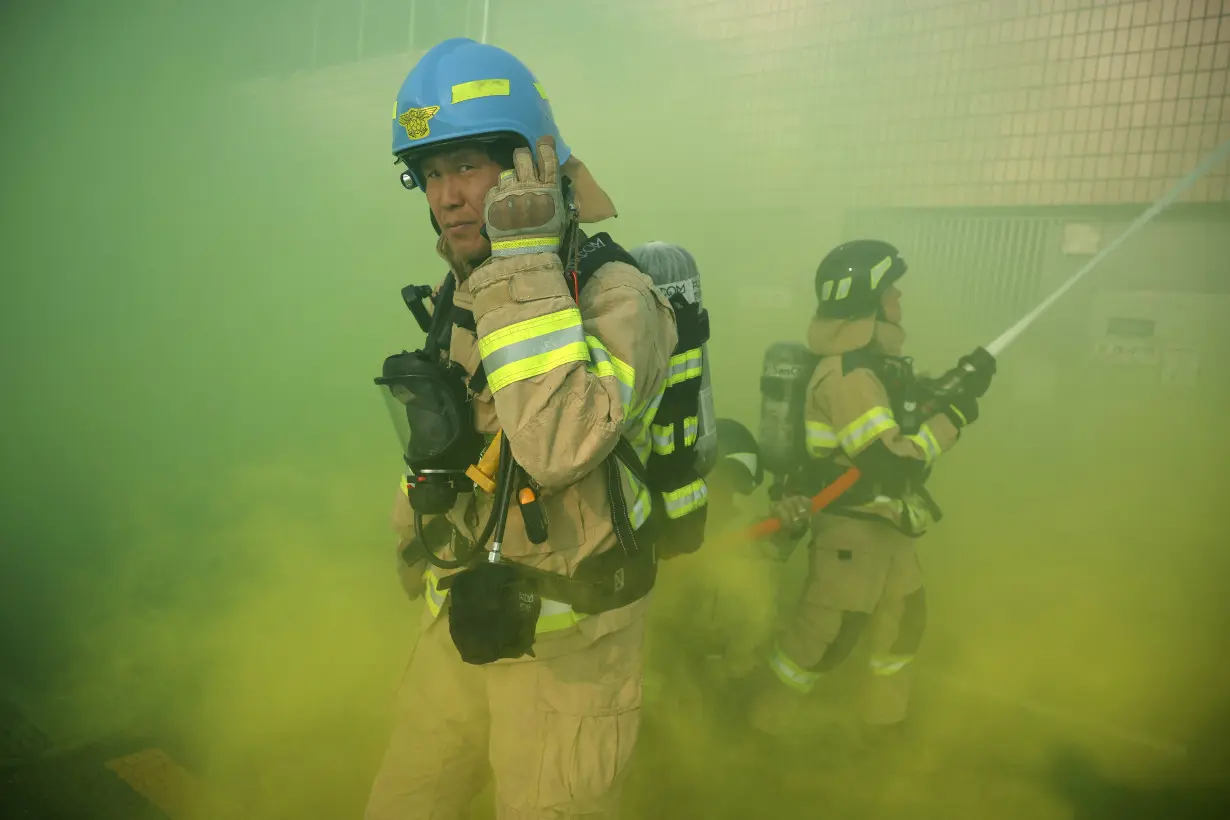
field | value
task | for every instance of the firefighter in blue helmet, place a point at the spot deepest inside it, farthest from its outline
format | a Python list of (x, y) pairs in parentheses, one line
[(554, 351)]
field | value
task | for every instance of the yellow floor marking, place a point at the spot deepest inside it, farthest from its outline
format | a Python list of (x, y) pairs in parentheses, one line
[(168, 786)]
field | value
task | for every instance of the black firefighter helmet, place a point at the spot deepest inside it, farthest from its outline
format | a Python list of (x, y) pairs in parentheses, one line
[(853, 277)]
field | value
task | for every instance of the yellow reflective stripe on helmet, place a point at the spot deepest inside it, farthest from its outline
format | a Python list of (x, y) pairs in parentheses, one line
[(790, 673), (821, 438), (688, 498), (927, 442), (533, 347), (663, 439), (605, 364), (691, 428), (542, 92), (476, 89), (865, 429), (885, 666), (881, 268), (684, 366), (435, 596)]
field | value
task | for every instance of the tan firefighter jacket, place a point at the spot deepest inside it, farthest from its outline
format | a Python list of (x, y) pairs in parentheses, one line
[(565, 379), (846, 412)]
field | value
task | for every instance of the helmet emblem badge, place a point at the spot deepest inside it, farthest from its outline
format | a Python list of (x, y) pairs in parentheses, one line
[(417, 121)]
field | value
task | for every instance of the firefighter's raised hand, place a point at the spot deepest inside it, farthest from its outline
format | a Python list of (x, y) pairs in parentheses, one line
[(525, 212)]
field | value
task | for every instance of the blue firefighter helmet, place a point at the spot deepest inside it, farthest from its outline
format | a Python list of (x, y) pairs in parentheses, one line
[(464, 90)]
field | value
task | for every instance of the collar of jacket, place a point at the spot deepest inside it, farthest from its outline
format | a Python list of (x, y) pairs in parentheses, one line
[(592, 203), (460, 270), (835, 337)]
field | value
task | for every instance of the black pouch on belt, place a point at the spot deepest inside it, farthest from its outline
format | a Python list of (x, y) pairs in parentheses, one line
[(493, 612)]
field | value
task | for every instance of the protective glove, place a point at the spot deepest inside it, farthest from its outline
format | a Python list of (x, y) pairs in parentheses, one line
[(977, 369), (962, 410), (794, 512), (525, 212)]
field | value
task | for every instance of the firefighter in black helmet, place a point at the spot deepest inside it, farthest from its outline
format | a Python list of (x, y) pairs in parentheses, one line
[(864, 407)]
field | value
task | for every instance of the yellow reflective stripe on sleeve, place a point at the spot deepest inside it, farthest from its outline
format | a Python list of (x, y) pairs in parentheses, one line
[(885, 666), (684, 366), (605, 364), (926, 442), (663, 439), (477, 89), (639, 512), (821, 439), (689, 497), (434, 595), (524, 245), (790, 673), (646, 415), (691, 427), (533, 347), (640, 504), (865, 429)]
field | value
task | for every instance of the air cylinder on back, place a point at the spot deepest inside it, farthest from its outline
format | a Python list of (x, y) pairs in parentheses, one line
[(674, 271), (783, 391)]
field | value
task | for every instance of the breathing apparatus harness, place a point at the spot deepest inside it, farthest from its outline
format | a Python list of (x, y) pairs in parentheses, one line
[(495, 603), (913, 399)]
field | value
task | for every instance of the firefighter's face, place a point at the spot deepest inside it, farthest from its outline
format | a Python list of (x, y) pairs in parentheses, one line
[(456, 183), (891, 304)]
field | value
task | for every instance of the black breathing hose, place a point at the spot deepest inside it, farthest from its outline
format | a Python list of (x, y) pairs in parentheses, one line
[(499, 513)]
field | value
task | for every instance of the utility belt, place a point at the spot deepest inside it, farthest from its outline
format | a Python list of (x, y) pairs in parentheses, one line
[(910, 499), (498, 606), (554, 615)]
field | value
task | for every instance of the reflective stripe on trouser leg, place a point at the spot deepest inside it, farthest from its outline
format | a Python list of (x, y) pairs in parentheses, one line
[(790, 673), (895, 638), (884, 666)]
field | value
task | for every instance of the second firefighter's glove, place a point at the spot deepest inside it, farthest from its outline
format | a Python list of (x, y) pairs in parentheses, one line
[(794, 512), (962, 410), (977, 369), (525, 212)]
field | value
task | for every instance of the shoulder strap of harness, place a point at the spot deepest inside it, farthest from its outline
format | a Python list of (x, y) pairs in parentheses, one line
[(595, 252), (860, 358)]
